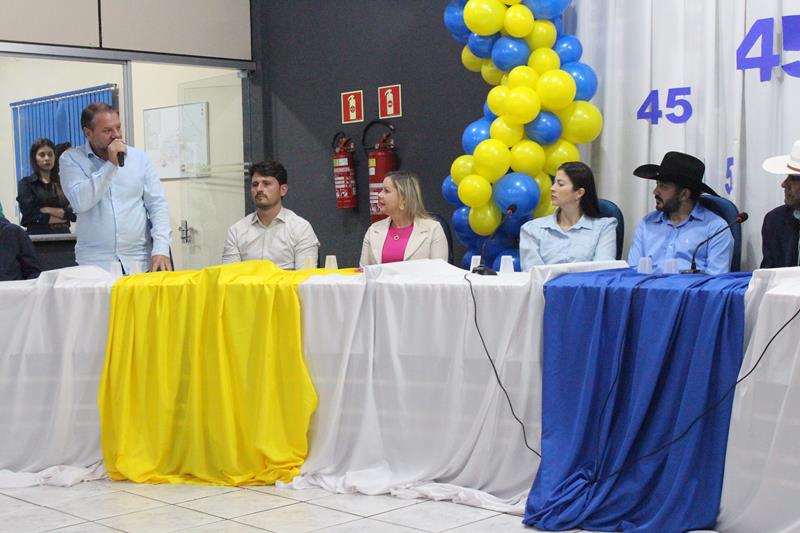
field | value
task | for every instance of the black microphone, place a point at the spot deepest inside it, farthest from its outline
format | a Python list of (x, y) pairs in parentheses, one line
[(482, 269), (121, 158), (741, 217)]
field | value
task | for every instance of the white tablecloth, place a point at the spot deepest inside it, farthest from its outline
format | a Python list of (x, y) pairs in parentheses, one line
[(761, 491), (408, 402), (52, 351)]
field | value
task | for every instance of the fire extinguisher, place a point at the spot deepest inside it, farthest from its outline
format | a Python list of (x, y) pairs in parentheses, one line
[(382, 159), (344, 172)]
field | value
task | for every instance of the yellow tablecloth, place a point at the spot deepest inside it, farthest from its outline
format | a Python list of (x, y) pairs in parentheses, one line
[(204, 380)]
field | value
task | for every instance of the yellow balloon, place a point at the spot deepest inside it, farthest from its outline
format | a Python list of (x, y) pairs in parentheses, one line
[(527, 157), (522, 105), (581, 122), (544, 59), (474, 190), (543, 35), (496, 99), (484, 220), (518, 21), (522, 76), (558, 153), (484, 17), (545, 201), (509, 133), (556, 89), (470, 61), (491, 74), (492, 159), (462, 167)]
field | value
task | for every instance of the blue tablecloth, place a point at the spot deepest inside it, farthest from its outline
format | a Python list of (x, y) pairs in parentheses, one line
[(629, 362)]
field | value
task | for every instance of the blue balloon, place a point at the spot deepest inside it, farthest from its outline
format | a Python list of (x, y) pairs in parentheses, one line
[(516, 192), (460, 220), (512, 225), (488, 112), (481, 45), (546, 9), (491, 248), (450, 192), (454, 22), (558, 22), (545, 129), (509, 52), (568, 48), (585, 79), (474, 134), (514, 253)]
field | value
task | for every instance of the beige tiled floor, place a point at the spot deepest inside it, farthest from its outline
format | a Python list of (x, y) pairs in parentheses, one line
[(104, 506)]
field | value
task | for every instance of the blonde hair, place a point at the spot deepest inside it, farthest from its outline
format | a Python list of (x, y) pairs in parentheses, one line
[(407, 185)]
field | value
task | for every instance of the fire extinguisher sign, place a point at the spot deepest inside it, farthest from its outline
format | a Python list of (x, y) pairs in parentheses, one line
[(389, 103), (352, 107)]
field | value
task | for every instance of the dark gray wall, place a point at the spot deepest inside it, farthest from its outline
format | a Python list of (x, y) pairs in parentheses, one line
[(308, 52)]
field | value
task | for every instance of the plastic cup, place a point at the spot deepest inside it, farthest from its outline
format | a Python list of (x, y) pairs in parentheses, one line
[(309, 263), (138, 267), (475, 261), (645, 265), (671, 266), (330, 262), (506, 264)]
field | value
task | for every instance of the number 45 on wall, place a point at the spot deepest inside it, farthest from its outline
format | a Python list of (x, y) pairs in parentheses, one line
[(764, 29)]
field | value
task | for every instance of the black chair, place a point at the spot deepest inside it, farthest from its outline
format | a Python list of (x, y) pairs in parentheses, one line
[(446, 228), (728, 211), (610, 209)]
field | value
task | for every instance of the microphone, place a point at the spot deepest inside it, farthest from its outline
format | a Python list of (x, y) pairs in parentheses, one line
[(741, 217), (121, 158), (482, 269)]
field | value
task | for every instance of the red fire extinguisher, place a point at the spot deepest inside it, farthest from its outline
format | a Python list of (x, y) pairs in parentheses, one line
[(382, 159), (344, 172)]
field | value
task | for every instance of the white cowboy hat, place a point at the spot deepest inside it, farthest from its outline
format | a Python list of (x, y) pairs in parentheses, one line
[(784, 164)]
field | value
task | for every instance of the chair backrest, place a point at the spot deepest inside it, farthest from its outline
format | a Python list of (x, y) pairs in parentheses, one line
[(610, 209), (446, 227), (726, 210)]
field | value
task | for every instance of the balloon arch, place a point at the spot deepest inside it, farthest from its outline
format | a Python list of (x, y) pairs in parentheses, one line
[(536, 113)]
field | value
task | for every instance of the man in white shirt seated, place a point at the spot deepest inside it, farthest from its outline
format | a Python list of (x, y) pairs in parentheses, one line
[(272, 232)]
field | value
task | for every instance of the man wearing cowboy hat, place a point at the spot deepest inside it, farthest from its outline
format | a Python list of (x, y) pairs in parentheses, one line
[(680, 223), (779, 234)]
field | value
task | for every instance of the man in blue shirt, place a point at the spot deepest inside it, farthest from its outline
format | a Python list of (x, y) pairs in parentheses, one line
[(121, 208), (680, 223)]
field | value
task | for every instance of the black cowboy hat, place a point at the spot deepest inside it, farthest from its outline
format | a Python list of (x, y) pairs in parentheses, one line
[(676, 167)]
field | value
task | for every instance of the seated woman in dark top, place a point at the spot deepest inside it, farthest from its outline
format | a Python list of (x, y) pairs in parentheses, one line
[(18, 259), (44, 207)]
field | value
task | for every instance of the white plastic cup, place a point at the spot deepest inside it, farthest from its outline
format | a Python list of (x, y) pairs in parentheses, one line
[(309, 263), (138, 267), (115, 267), (506, 264), (330, 262), (645, 265), (671, 266), (475, 261)]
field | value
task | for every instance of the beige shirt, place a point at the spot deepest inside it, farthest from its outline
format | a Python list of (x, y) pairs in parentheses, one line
[(286, 241), (427, 241)]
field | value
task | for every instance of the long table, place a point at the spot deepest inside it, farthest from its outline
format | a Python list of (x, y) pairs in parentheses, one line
[(408, 402)]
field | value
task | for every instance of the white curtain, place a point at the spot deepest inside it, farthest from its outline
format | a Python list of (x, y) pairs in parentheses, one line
[(636, 46)]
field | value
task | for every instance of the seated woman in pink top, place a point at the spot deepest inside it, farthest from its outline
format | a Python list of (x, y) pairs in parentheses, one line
[(409, 233)]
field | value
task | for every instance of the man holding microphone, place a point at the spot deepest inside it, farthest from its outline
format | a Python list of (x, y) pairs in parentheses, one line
[(117, 196)]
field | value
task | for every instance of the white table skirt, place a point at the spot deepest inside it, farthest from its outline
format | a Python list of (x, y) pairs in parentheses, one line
[(54, 333), (408, 401)]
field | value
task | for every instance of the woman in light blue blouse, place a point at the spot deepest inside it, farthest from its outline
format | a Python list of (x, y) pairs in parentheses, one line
[(575, 232)]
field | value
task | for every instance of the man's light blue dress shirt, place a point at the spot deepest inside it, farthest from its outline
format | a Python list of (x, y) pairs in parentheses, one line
[(658, 238), (543, 242), (119, 209)]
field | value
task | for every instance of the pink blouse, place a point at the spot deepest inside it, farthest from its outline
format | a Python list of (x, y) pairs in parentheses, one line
[(394, 247)]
